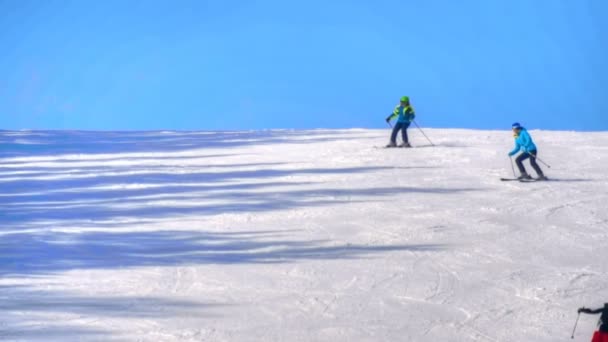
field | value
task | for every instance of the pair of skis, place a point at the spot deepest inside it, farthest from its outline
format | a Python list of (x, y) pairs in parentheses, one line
[(524, 180), (394, 147)]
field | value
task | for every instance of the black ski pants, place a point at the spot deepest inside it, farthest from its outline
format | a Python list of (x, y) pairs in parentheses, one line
[(532, 155)]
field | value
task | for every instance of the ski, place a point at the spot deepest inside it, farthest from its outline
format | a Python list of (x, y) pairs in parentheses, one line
[(393, 147), (533, 180), (523, 180)]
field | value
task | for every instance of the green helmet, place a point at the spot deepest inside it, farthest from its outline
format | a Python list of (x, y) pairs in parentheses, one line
[(405, 99)]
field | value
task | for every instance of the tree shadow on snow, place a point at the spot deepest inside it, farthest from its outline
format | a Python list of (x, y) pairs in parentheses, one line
[(39, 255), (34, 254), (27, 331), (160, 193), (25, 313), (48, 143), (110, 205), (95, 200), (97, 191)]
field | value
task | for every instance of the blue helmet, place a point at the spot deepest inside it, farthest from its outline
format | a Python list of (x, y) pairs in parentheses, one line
[(516, 125)]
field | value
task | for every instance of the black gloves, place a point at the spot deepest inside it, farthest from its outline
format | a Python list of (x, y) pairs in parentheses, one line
[(388, 118)]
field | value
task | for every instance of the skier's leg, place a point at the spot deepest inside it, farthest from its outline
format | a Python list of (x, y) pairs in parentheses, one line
[(396, 129), (535, 166), (404, 135), (600, 336), (597, 337), (519, 162)]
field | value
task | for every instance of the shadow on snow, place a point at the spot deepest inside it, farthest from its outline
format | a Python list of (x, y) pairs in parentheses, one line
[(46, 253), (47, 143), (95, 199), (25, 314), (39, 255)]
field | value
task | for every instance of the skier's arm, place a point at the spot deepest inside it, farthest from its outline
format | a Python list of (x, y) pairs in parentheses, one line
[(590, 311), (412, 114), (394, 114), (516, 149)]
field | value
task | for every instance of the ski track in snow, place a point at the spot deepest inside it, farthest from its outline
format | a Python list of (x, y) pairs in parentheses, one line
[(290, 235)]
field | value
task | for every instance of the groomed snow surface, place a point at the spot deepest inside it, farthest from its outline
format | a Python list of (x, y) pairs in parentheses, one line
[(293, 235)]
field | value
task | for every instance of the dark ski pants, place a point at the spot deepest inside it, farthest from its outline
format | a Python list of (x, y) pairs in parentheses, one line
[(532, 155), (400, 126)]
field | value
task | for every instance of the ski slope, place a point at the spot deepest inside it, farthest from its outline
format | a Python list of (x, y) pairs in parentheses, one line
[(293, 235)]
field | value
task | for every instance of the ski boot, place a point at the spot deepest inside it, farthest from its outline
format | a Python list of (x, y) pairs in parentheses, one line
[(391, 144), (524, 176), (405, 144)]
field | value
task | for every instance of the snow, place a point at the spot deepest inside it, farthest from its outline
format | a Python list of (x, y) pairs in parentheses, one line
[(293, 235)]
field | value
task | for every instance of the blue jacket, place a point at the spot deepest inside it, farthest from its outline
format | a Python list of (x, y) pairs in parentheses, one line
[(523, 142), (405, 114)]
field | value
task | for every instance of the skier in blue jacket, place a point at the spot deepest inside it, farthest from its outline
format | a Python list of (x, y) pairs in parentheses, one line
[(405, 115), (524, 143)]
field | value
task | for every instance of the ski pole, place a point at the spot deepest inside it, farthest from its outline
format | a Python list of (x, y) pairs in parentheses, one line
[(427, 138), (575, 323), (540, 160), (512, 168)]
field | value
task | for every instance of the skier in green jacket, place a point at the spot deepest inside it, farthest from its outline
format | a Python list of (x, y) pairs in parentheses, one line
[(405, 115)]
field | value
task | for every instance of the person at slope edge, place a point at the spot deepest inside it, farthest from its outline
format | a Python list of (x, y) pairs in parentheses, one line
[(524, 143), (405, 115), (601, 334)]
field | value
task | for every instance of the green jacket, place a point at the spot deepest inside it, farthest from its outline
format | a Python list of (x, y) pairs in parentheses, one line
[(405, 114)]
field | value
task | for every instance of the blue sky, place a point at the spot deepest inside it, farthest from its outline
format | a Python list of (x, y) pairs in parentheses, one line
[(190, 65)]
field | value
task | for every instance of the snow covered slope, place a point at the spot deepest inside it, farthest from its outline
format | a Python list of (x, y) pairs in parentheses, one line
[(290, 235)]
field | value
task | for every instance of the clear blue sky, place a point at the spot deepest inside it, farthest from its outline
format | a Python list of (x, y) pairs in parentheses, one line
[(190, 65)]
